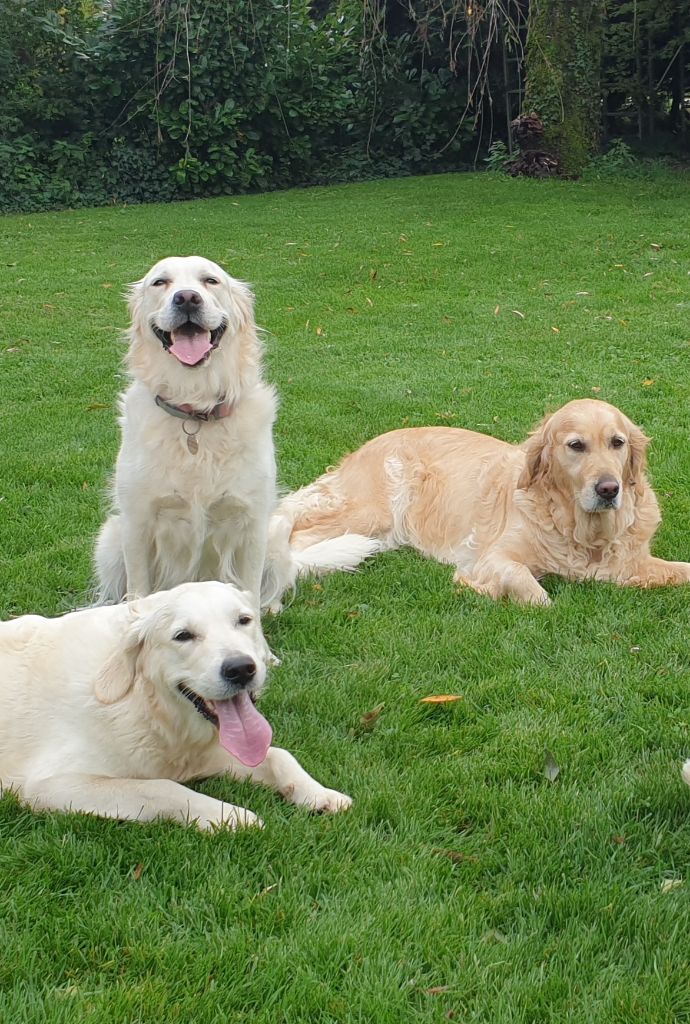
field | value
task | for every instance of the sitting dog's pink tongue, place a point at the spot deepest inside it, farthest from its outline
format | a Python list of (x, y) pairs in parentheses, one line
[(190, 344), (243, 731)]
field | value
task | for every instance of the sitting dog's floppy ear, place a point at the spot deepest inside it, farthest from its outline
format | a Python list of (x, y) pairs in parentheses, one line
[(537, 449), (116, 678), (637, 460)]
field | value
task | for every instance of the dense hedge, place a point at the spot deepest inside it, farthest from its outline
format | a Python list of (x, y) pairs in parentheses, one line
[(140, 100)]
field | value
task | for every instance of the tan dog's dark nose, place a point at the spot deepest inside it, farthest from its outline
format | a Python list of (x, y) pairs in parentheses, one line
[(607, 489), (186, 299)]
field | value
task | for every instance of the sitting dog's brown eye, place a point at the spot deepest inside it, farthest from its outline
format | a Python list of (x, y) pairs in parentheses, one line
[(183, 635), (617, 442), (244, 620), (576, 446)]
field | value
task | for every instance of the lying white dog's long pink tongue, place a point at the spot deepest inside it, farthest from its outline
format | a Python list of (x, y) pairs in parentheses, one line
[(190, 344), (243, 731)]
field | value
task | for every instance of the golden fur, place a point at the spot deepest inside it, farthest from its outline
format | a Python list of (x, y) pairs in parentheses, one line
[(503, 515)]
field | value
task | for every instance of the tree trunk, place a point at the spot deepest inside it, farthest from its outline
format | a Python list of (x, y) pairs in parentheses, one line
[(564, 46)]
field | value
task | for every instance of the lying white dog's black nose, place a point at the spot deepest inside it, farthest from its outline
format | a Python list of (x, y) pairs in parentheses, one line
[(239, 671), (186, 300), (607, 489)]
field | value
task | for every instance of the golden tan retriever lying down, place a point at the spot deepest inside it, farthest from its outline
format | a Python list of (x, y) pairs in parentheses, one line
[(108, 710), (573, 500)]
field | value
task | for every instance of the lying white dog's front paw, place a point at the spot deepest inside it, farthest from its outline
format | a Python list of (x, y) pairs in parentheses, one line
[(685, 772), (322, 800), (229, 817)]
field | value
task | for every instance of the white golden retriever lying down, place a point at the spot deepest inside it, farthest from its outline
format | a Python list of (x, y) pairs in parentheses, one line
[(109, 709), (573, 500), (195, 477)]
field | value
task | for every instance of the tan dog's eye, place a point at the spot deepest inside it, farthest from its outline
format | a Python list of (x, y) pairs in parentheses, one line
[(244, 620), (617, 442), (211, 280), (183, 635), (159, 282), (577, 446)]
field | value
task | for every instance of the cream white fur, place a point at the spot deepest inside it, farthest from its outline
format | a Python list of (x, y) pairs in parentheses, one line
[(181, 516), (91, 718)]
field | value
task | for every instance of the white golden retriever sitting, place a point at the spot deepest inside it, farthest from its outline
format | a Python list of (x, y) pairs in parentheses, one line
[(573, 500), (195, 477), (108, 710)]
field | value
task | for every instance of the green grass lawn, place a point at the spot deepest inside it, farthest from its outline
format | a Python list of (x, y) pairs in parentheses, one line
[(464, 884)]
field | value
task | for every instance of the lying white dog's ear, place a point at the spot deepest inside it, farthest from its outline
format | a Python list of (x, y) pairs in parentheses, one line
[(117, 676), (133, 295)]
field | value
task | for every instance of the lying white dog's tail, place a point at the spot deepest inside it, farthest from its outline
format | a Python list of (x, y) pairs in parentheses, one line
[(284, 565)]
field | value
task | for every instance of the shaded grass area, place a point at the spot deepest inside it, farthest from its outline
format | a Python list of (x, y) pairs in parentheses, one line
[(463, 884)]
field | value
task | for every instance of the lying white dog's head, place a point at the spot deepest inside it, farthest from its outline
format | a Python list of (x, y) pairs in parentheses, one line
[(198, 650), (191, 324)]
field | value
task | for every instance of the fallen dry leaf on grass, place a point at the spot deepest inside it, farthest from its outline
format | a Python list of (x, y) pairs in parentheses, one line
[(443, 698), (457, 856), (551, 767), (367, 722), (138, 872)]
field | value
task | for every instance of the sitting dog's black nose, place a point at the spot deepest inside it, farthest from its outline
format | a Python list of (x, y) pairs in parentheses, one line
[(607, 489), (186, 299), (240, 671)]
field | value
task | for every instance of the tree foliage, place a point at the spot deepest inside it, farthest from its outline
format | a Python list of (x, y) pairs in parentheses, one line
[(163, 99), (135, 100)]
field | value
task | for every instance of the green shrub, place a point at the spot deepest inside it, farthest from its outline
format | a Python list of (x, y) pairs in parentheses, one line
[(158, 101)]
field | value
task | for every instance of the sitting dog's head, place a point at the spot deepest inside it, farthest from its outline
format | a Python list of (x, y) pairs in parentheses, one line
[(192, 327), (590, 451), (199, 651)]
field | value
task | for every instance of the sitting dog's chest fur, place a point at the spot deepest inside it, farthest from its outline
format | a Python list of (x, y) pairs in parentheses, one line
[(199, 500)]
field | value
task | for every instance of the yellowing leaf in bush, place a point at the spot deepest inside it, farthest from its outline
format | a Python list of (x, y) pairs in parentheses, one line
[(443, 698)]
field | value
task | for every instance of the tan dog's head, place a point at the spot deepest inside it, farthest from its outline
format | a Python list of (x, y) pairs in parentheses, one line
[(186, 305), (199, 652), (589, 450)]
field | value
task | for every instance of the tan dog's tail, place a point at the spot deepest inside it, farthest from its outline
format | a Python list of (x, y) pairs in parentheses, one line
[(284, 564)]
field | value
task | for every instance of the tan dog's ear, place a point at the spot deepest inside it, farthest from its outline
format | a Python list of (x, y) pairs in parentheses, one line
[(116, 678), (538, 450), (637, 460)]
